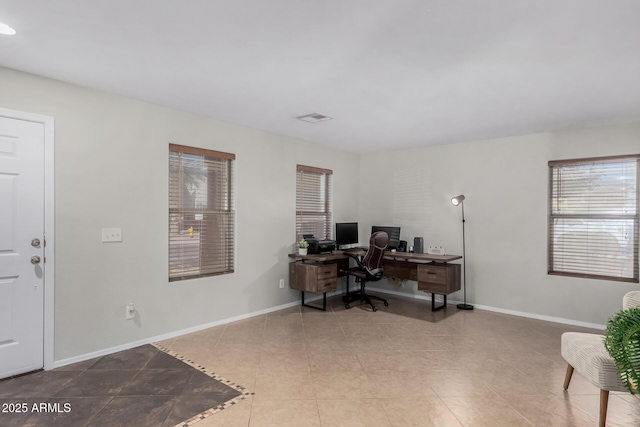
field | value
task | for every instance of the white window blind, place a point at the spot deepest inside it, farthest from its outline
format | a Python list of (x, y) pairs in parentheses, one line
[(314, 202), (593, 218), (201, 212)]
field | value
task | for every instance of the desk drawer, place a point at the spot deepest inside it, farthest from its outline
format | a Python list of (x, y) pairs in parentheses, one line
[(327, 285), (432, 274), (310, 277), (434, 288), (327, 271), (439, 278)]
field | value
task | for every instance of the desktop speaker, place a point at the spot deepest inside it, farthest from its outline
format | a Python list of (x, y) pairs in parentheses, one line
[(418, 245), (403, 246)]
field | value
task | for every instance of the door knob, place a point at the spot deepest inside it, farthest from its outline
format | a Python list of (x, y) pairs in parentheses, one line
[(35, 243), (35, 259)]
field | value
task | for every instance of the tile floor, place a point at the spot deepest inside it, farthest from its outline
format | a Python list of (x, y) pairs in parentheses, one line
[(400, 366)]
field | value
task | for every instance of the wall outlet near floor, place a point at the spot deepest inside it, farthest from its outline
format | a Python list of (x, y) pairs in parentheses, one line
[(130, 311), (281, 283)]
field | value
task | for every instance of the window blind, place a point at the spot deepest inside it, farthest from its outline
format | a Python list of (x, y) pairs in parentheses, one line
[(314, 202), (593, 218), (201, 212)]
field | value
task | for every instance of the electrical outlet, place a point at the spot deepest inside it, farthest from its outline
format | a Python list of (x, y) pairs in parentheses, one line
[(130, 311), (111, 235), (281, 283)]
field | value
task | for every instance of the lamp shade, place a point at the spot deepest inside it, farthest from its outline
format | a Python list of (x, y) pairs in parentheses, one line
[(6, 30), (457, 200)]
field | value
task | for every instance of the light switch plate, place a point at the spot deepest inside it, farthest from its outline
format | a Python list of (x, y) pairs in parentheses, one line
[(130, 311), (111, 235)]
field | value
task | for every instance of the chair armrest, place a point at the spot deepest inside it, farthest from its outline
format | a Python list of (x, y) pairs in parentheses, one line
[(352, 255), (356, 257), (376, 273)]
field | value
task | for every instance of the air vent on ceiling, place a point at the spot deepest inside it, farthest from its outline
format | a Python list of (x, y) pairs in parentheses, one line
[(314, 118)]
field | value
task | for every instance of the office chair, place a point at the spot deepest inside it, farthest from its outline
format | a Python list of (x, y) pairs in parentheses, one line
[(369, 269)]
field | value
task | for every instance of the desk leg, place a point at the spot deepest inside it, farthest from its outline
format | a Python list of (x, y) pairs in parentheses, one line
[(324, 302), (433, 303)]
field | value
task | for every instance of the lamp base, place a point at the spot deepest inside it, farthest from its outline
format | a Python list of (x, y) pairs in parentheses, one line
[(465, 307)]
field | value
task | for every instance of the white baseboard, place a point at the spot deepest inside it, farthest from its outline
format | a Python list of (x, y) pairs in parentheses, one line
[(553, 319), (542, 317), (426, 297), (167, 336)]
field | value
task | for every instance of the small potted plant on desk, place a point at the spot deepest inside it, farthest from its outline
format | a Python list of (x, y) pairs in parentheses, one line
[(303, 246)]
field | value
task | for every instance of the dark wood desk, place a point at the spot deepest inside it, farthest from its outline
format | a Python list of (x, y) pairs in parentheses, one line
[(434, 273), (337, 255)]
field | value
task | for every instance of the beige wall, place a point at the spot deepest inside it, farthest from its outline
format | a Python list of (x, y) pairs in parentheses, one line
[(111, 160), (505, 184), (111, 170)]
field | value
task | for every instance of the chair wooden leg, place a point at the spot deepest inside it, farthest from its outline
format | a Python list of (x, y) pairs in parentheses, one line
[(604, 400), (567, 377)]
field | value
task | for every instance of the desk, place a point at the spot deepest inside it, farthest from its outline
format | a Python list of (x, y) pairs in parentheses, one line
[(434, 273), (317, 274)]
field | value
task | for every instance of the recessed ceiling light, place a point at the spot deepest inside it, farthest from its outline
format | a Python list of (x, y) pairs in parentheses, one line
[(6, 30), (314, 118)]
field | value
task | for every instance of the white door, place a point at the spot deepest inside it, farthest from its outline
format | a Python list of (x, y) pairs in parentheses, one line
[(21, 246)]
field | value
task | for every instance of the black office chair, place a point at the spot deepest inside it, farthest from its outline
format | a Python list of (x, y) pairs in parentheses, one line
[(369, 269)]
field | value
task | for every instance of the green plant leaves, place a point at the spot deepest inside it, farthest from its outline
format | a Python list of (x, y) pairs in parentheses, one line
[(622, 340)]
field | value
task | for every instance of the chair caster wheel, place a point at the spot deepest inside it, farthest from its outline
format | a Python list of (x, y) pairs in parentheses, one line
[(374, 309), (386, 304), (347, 306)]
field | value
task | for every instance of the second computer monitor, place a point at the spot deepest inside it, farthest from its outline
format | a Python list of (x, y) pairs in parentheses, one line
[(393, 232)]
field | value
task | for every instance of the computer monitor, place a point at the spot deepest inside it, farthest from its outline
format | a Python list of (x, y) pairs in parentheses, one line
[(393, 232), (346, 233)]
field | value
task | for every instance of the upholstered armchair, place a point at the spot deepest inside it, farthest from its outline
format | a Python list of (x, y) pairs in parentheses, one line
[(587, 354)]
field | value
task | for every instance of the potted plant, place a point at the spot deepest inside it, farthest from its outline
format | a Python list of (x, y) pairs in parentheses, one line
[(622, 340), (303, 246)]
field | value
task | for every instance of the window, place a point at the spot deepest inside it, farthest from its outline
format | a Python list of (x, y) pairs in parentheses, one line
[(201, 212), (593, 218), (314, 205)]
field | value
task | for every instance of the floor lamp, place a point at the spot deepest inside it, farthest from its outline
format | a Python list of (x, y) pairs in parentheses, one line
[(459, 200)]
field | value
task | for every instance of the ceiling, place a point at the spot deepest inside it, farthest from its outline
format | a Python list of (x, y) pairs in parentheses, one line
[(391, 73)]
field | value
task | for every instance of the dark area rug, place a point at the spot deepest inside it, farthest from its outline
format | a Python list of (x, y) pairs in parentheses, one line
[(142, 386)]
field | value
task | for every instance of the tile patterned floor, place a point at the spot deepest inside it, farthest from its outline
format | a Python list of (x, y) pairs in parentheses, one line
[(400, 366), (144, 386)]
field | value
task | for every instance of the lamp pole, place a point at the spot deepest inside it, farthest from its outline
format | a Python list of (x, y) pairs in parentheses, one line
[(459, 200), (464, 305)]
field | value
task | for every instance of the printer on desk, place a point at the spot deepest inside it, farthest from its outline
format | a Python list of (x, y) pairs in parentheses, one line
[(317, 246)]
